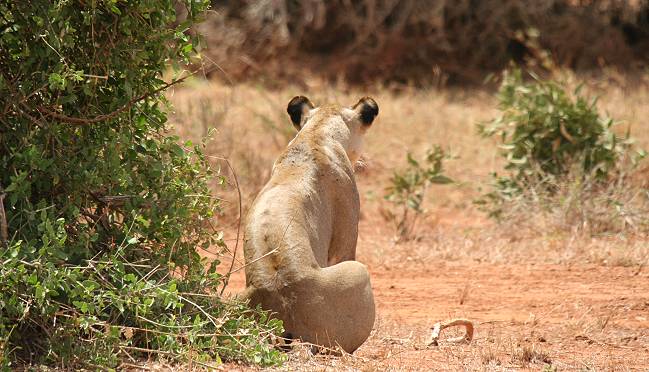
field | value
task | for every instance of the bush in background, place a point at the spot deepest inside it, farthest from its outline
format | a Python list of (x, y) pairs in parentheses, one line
[(544, 131), (560, 154), (102, 211)]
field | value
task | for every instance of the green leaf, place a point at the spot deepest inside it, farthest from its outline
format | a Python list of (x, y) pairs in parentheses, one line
[(81, 305)]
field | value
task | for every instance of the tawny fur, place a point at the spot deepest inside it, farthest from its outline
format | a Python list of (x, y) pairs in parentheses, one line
[(301, 231)]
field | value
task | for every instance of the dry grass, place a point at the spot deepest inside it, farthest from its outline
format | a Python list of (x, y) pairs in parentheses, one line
[(252, 128)]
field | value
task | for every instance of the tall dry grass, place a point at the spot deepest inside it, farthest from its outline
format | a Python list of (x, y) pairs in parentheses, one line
[(251, 129)]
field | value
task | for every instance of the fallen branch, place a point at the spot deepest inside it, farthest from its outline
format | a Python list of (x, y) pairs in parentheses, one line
[(439, 326)]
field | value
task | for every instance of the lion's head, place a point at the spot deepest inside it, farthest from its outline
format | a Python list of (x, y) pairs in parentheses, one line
[(357, 120)]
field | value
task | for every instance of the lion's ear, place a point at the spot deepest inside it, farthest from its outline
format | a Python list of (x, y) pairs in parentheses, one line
[(296, 109), (367, 109)]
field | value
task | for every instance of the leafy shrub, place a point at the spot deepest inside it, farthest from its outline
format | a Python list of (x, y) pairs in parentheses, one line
[(408, 188), (103, 210), (543, 130), (555, 144)]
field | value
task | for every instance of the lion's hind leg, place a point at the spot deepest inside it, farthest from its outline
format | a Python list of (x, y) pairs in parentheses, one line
[(337, 307)]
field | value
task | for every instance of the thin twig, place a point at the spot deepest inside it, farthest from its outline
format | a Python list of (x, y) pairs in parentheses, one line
[(236, 244), (103, 117), (274, 250), (166, 325), (4, 234), (209, 317), (145, 350)]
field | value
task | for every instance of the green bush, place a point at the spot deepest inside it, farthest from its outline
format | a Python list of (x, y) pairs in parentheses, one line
[(103, 210), (408, 188), (547, 135)]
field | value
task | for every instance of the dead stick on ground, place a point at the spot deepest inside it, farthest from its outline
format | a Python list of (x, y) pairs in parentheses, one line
[(439, 326), (4, 234)]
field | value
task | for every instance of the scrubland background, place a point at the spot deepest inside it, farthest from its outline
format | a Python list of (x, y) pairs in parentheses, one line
[(557, 290), (420, 42)]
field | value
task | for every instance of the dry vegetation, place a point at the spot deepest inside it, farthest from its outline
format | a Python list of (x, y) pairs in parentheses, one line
[(545, 292), (419, 41)]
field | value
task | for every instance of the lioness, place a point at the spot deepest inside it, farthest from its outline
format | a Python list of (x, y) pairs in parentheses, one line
[(301, 231)]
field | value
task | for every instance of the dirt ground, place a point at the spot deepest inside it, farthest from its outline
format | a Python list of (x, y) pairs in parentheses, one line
[(544, 293), (527, 317)]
